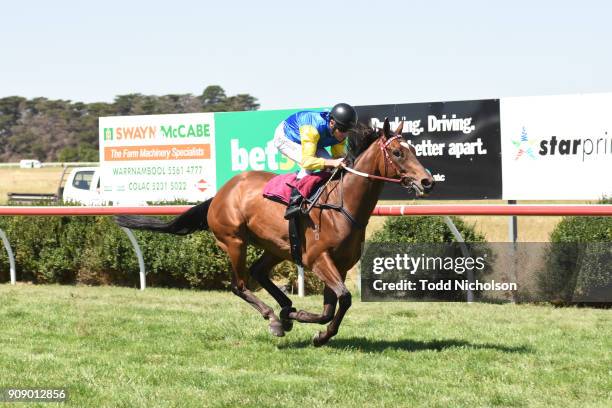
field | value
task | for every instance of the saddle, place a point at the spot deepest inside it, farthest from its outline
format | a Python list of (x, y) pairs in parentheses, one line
[(294, 193)]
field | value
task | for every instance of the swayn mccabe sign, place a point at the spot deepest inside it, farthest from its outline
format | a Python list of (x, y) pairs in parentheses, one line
[(158, 157)]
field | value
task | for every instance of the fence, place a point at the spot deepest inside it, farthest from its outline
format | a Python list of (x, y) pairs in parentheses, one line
[(381, 210)]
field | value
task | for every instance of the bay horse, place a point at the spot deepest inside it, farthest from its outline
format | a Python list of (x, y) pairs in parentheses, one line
[(239, 215)]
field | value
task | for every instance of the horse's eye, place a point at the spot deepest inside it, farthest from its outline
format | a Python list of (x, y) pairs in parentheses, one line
[(397, 153)]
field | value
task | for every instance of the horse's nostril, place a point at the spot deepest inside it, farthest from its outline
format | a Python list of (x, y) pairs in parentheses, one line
[(428, 184)]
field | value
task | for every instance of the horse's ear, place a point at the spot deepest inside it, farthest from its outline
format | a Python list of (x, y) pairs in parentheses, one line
[(386, 128), (399, 129)]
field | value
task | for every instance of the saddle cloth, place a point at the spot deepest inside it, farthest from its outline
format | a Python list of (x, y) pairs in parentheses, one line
[(279, 187)]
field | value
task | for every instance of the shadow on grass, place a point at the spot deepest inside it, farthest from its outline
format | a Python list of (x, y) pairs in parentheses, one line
[(378, 346)]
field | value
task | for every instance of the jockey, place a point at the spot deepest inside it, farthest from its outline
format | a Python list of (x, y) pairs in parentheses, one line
[(303, 137)]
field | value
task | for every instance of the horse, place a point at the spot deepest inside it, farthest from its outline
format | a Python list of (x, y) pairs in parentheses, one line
[(331, 239)]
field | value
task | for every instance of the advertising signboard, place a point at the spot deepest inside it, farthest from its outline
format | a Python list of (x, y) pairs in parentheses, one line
[(549, 148), (459, 142), (158, 157), (190, 156), (557, 147), (244, 142)]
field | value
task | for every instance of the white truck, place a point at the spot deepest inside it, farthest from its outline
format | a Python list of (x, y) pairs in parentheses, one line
[(83, 186)]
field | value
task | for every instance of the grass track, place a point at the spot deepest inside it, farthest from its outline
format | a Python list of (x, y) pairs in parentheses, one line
[(118, 347)]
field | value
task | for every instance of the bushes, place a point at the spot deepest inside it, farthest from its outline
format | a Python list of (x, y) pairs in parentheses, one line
[(66, 249), (95, 251), (423, 229), (37, 245), (577, 268)]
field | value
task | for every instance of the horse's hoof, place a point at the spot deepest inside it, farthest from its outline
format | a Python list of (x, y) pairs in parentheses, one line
[(319, 339), (287, 325), (276, 328), (285, 319)]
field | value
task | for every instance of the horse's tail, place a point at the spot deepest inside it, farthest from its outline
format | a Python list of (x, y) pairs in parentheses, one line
[(194, 219)]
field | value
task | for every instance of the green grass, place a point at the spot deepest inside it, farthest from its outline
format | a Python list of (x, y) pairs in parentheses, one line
[(119, 347)]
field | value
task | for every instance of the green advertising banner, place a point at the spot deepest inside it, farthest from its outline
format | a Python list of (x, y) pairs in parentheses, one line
[(243, 142)]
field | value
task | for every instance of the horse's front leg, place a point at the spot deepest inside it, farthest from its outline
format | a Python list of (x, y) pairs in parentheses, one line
[(325, 269), (329, 307)]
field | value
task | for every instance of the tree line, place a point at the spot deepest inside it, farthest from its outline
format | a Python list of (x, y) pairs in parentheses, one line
[(62, 130)]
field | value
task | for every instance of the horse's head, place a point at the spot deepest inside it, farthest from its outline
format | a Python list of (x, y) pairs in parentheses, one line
[(399, 161)]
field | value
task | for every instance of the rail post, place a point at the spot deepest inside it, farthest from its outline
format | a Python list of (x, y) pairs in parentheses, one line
[(300, 281), (464, 250), (141, 264), (11, 257), (512, 225), (513, 237)]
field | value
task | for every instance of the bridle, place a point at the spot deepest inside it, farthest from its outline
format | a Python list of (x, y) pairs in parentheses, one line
[(383, 143)]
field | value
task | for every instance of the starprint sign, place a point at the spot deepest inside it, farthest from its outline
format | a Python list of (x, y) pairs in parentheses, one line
[(557, 147)]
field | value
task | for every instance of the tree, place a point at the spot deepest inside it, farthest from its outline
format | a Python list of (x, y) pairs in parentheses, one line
[(10, 110), (52, 130), (242, 102), (213, 95)]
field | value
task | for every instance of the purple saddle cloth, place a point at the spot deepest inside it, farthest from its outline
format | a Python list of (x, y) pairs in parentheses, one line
[(279, 187)]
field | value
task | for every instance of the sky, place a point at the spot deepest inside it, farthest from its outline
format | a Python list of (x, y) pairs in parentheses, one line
[(298, 54)]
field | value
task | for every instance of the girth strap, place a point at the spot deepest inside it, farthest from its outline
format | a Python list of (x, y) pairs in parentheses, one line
[(344, 212)]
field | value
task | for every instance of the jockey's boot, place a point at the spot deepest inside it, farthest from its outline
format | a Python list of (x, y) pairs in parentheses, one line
[(294, 206)]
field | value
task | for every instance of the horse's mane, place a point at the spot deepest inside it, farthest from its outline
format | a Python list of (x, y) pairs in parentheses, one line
[(359, 139)]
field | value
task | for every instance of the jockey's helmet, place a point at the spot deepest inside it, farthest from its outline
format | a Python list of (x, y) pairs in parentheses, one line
[(344, 115)]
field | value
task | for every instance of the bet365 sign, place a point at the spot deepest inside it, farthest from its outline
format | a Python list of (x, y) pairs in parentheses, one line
[(259, 158), (244, 142)]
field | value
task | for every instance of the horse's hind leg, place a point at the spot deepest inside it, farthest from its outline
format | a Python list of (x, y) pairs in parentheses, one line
[(260, 270), (237, 254)]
